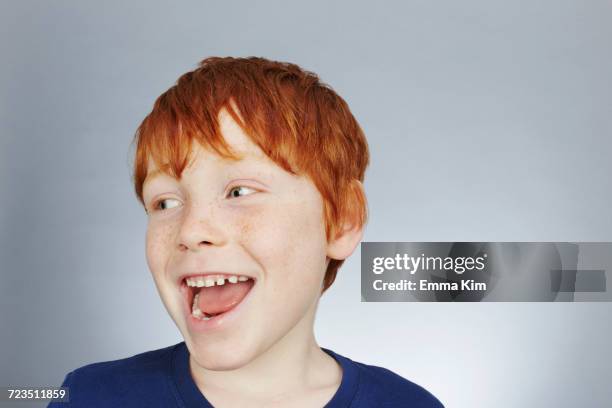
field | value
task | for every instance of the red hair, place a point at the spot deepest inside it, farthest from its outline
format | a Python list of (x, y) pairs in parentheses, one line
[(298, 121)]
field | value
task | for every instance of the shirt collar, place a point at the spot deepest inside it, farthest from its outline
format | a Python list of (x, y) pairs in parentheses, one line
[(192, 397)]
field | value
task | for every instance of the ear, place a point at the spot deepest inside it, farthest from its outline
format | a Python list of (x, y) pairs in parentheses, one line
[(345, 243), (349, 233)]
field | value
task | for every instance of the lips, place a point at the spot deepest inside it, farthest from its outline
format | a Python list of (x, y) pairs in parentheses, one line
[(210, 300)]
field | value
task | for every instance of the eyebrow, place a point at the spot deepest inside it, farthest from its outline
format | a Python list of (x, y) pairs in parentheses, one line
[(160, 171)]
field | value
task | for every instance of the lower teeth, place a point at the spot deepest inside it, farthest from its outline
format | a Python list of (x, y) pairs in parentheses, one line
[(195, 310)]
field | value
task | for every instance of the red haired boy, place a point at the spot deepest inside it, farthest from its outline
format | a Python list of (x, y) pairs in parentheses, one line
[(251, 173)]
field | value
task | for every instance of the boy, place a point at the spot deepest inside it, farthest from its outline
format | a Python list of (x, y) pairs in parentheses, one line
[(251, 174)]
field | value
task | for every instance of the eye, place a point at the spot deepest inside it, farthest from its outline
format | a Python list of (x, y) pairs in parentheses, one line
[(165, 204), (240, 191)]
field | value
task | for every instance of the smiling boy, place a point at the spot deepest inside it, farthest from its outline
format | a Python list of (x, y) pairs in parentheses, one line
[(251, 173)]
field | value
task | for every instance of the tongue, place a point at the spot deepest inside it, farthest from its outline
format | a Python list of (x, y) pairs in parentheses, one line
[(219, 299)]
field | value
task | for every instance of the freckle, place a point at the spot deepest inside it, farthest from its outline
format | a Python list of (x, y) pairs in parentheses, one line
[(245, 227), (162, 237)]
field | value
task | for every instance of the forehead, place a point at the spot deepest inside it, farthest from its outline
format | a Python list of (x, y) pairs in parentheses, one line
[(241, 145), (236, 138)]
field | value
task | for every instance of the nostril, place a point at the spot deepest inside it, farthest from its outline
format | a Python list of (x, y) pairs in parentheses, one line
[(183, 247)]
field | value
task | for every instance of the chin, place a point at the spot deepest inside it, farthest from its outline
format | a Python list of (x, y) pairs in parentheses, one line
[(221, 357)]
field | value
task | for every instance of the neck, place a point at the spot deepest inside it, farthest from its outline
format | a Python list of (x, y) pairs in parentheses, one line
[(292, 365)]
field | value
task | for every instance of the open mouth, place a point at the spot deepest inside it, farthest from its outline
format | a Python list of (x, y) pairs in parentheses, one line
[(211, 296)]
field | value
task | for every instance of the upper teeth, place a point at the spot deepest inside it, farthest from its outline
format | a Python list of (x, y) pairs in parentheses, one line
[(200, 281)]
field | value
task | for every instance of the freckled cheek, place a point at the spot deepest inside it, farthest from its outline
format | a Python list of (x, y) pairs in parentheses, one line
[(159, 242), (287, 242)]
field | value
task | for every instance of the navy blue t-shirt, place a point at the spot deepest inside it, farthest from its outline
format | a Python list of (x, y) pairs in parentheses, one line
[(161, 378)]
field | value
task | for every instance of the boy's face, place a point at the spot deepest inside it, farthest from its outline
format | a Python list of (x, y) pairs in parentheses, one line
[(244, 218)]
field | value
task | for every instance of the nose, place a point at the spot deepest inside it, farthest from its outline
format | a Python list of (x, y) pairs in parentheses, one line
[(200, 228)]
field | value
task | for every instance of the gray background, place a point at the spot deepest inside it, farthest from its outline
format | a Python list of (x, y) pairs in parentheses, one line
[(487, 121)]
